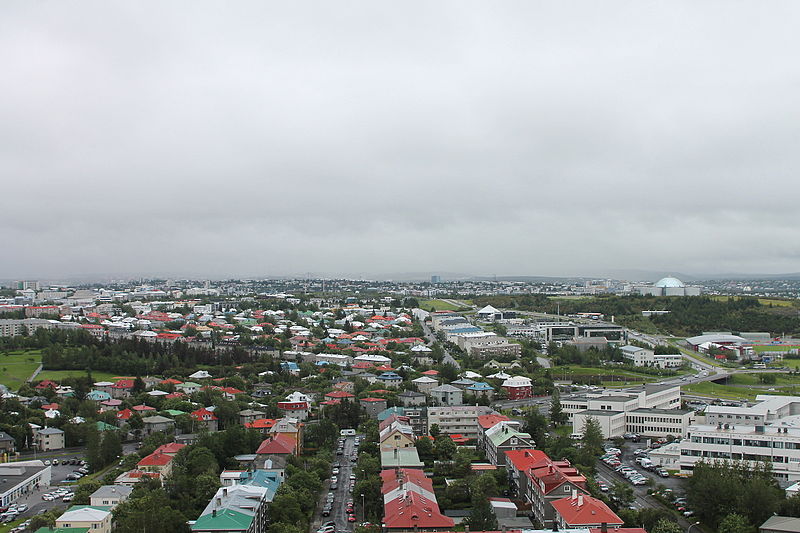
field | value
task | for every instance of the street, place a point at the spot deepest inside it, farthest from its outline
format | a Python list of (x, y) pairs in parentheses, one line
[(341, 494)]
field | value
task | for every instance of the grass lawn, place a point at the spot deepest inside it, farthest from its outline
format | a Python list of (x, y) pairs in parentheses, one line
[(17, 366), (57, 375), (752, 379), (620, 377), (439, 305), (708, 388), (773, 347)]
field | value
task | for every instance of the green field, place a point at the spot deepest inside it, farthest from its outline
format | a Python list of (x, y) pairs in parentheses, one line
[(57, 375), (438, 305), (752, 379), (620, 377), (773, 348), (707, 388), (17, 366)]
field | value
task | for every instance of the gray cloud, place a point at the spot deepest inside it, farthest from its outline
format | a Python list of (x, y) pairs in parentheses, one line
[(510, 138)]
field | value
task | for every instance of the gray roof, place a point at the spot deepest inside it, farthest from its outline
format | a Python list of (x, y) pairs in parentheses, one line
[(13, 474), (598, 412), (446, 388), (782, 523), (50, 431), (5, 437), (157, 419), (408, 393), (112, 491)]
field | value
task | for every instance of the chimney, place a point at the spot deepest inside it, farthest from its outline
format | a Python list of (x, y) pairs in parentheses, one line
[(580, 499), (574, 493), (219, 502), (214, 513), (604, 527), (225, 492)]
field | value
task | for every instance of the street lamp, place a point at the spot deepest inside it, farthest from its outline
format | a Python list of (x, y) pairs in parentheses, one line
[(691, 526), (363, 511)]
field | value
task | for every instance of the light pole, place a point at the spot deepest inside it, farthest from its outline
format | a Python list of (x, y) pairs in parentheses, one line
[(363, 511), (691, 526)]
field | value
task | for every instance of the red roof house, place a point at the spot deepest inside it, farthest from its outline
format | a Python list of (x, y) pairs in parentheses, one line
[(580, 510)]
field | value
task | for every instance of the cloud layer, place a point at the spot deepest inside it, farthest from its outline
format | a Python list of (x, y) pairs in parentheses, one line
[(508, 138)]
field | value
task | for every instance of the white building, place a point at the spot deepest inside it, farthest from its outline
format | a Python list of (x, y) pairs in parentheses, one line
[(21, 478), (644, 357), (768, 431), (651, 410)]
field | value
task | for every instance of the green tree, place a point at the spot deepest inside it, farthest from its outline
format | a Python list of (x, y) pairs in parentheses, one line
[(666, 525), (622, 493), (592, 436), (435, 431), (150, 511), (557, 415), (735, 523), (445, 448), (110, 447)]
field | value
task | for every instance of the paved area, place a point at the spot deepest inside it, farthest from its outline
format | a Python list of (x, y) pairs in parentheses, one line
[(341, 494)]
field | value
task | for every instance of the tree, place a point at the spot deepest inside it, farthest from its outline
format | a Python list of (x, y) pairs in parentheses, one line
[(536, 427), (592, 436), (557, 416), (735, 523), (111, 447), (666, 526), (151, 511), (482, 518), (445, 448), (434, 431), (622, 493)]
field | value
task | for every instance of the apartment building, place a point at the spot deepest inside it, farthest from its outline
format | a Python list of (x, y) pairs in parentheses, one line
[(457, 420), (239, 508), (485, 344), (502, 438), (538, 480)]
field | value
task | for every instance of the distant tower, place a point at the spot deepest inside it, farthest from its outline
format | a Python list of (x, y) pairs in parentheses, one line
[(436, 279)]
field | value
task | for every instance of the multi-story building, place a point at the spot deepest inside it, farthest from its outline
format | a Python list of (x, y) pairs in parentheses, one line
[(518, 387), (239, 508), (96, 519), (769, 434), (643, 357), (110, 495), (583, 511), (652, 410), (457, 420), (504, 437), (447, 395), (49, 439), (538, 480)]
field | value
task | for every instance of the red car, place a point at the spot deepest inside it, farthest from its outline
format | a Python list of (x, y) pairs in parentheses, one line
[(351, 518)]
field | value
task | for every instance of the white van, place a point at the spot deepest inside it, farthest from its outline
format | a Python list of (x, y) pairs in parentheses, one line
[(347, 432)]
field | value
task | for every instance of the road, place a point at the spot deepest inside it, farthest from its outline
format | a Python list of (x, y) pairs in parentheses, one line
[(448, 359), (341, 494)]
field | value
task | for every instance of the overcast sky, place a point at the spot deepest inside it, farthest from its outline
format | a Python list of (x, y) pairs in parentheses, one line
[(269, 138)]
